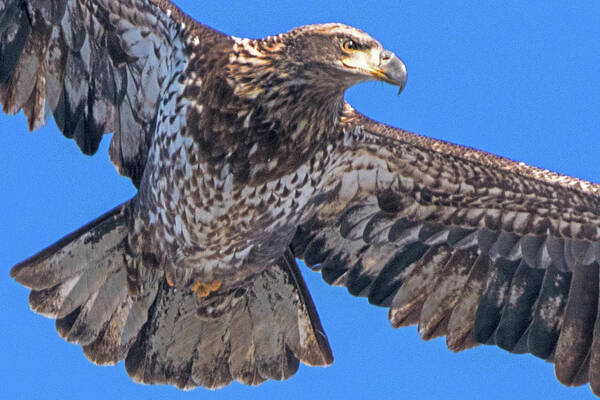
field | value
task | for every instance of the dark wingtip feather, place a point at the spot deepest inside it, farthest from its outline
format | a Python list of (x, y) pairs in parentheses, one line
[(11, 51), (575, 337), (548, 313), (386, 284), (24, 274), (490, 308), (517, 313)]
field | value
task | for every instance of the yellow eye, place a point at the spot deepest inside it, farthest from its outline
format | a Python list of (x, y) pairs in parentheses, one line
[(349, 45)]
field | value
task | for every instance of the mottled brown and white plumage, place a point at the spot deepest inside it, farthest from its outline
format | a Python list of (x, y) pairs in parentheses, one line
[(246, 157)]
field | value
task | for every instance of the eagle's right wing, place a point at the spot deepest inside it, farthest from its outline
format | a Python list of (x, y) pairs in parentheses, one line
[(98, 66), (465, 244)]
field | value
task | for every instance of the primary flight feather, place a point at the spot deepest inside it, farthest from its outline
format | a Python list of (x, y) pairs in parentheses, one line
[(246, 156)]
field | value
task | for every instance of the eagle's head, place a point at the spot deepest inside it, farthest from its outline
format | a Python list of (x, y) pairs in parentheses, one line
[(323, 59), (341, 55), (289, 92)]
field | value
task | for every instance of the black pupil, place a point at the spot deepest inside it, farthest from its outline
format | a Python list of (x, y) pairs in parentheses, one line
[(350, 44)]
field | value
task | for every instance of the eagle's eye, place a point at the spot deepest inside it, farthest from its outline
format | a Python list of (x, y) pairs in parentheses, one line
[(349, 45)]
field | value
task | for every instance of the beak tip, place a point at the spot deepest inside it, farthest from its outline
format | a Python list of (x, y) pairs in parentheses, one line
[(403, 80), (401, 85)]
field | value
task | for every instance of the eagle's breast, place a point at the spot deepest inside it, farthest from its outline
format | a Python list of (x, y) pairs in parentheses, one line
[(224, 186)]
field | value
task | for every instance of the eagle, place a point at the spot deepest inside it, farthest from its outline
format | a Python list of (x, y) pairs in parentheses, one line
[(246, 157)]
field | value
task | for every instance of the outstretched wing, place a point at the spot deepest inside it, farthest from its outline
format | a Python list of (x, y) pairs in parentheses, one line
[(97, 66), (468, 245)]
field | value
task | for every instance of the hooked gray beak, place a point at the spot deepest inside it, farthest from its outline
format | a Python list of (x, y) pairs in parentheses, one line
[(381, 64), (391, 70)]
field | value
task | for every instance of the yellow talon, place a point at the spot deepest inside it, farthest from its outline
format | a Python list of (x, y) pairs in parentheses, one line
[(169, 279), (204, 289)]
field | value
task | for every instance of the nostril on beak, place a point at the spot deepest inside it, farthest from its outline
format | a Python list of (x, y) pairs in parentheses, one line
[(386, 55)]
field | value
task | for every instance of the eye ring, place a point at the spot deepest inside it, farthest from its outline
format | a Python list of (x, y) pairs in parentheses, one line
[(349, 45)]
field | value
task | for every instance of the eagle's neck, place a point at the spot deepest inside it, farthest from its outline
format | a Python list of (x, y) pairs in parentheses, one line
[(291, 92), (284, 115)]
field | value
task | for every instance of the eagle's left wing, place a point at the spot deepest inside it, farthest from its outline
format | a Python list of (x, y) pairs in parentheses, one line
[(97, 66), (468, 245)]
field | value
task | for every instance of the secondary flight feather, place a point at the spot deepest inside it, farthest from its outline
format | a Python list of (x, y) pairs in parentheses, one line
[(246, 157)]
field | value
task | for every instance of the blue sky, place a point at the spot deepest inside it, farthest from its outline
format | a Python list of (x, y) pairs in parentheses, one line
[(519, 79)]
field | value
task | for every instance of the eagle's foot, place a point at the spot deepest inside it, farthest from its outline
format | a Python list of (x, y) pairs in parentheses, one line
[(169, 279), (203, 289)]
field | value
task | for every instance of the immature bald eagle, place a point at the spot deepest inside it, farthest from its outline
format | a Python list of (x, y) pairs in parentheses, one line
[(246, 156)]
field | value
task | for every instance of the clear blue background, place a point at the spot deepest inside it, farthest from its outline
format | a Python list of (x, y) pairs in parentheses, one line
[(519, 79)]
